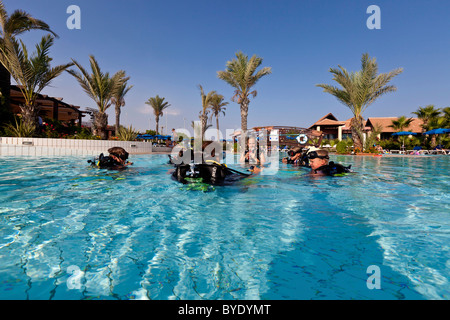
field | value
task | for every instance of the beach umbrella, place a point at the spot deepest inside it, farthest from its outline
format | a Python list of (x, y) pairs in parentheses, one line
[(438, 131), (404, 133), (145, 136)]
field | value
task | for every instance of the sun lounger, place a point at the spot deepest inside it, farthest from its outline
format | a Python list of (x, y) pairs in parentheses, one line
[(440, 151)]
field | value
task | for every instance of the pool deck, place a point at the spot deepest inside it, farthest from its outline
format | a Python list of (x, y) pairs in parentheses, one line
[(13, 146)]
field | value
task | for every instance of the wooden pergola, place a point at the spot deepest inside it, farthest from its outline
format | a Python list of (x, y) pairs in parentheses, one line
[(50, 107)]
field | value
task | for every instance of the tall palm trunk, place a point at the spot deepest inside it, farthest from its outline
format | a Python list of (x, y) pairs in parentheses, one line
[(100, 124), (357, 127), (30, 114), (117, 119), (433, 140), (204, 120), (217, 126), (157, 125), (244, 115)]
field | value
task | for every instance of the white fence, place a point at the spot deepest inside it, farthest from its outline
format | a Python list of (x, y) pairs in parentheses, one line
[(67, 147)]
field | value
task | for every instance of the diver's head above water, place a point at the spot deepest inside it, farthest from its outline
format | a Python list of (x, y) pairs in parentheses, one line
[(317, 159), (118, 154)]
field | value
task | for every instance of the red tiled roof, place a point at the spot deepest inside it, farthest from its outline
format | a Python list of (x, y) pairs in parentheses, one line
[(328, 122), (415, 125)]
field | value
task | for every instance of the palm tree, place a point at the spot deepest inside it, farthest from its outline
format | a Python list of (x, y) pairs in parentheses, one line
[(427, 114), (401, 123), (240, 74), (32, 73), (217, 107), (10, 27), (101, 88), (159, 105), (118, 99), (359, 90), (446, 115), (435, 123), (206, 105)]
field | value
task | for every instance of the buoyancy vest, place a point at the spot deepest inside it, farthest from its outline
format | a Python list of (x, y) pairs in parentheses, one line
[(210, 172), (105, 162), (334, 169)]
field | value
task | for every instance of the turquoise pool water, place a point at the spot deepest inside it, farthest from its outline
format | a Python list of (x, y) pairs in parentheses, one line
[(68, 231)]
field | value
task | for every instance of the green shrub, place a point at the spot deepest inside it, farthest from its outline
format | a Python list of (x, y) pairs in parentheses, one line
[(344, 146), (127, 134), (390, 144), (85, 134), (19, 129)]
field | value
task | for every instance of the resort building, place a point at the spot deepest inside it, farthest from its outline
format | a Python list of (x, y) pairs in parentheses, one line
[(387, 131), (285, 136), (50, 107), (332, 128)]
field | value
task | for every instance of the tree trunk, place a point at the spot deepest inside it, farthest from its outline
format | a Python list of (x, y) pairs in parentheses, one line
[(217, 125), (117, 119), (433, 141), (204, 119), (244, 114), (157, 125), (100, 124), (30, 115), (357, 132), (5, 87)]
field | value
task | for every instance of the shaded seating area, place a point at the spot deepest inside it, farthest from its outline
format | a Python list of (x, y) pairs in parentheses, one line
[(50, 107), (152, 137), (157, 139)]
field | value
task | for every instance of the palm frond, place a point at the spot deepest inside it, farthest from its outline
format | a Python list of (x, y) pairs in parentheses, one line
[(158, 104), (98, 85), (32, 72)]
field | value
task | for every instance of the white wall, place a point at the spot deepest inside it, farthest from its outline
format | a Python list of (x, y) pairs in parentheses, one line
[(67, 147)]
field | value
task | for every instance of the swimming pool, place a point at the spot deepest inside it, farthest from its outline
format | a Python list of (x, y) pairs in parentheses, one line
[(68, 231)]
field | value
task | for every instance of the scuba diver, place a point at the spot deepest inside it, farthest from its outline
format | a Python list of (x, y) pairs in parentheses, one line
[(252, 154), (321, 166), (299, 156), (296, 157), (117, 159), (209, 171), (179, 158)]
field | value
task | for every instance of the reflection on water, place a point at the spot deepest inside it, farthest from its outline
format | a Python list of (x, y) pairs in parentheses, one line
[(68, 231)]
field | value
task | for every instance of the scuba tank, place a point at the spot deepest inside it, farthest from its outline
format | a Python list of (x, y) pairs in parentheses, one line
[(209, 172), (302, 161), (104, 162)]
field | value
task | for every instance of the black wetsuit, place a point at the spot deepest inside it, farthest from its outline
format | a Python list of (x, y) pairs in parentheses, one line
[(210, 173), (106, 162), (334, 169)]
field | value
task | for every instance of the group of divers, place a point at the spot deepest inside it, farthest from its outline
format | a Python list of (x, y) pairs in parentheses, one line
[(204, 167)]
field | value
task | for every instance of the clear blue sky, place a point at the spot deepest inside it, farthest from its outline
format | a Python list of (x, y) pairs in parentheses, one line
[(170, 47)]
